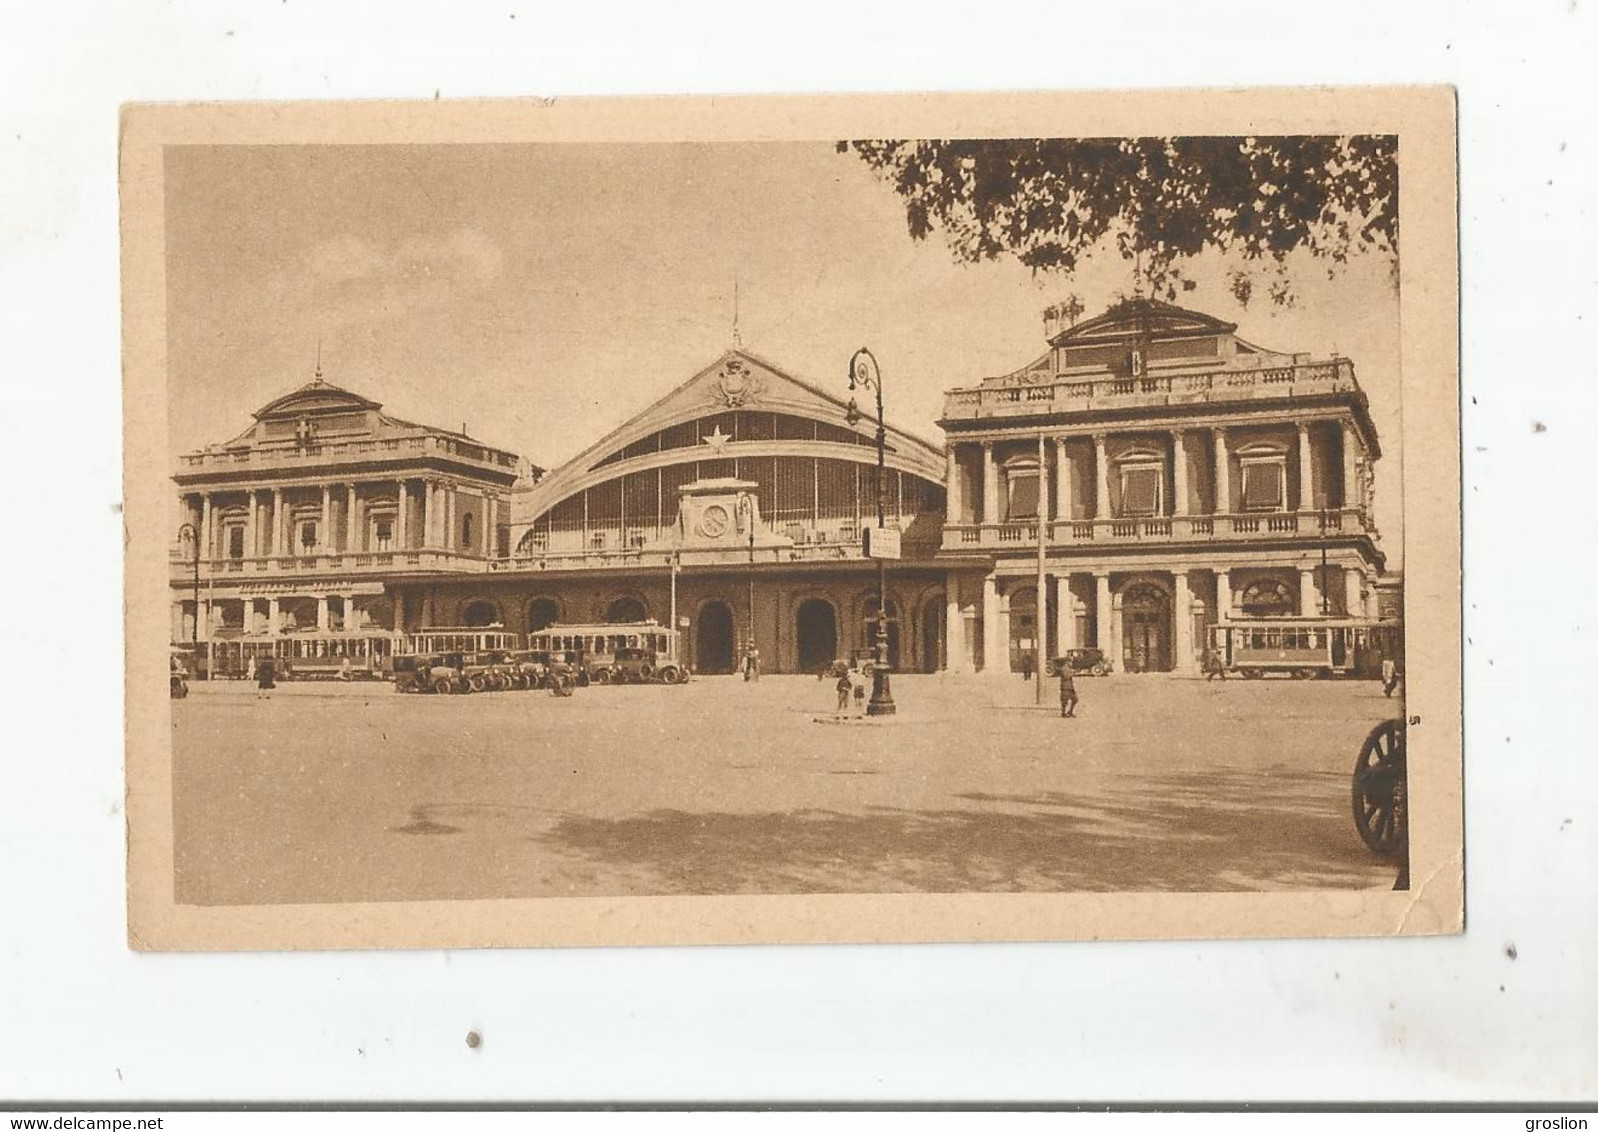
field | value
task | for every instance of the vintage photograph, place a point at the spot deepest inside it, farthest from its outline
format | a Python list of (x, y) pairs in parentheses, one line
[(563, 520)]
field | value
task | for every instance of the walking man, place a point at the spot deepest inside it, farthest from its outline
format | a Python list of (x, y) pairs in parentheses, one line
[(845, 687), (1067, 690)]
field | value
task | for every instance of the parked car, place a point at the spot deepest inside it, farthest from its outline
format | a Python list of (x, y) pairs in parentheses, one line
[(1082, 662), (436, 672)]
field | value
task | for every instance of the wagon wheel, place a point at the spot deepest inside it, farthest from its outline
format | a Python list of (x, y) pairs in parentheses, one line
[(1381, 783)]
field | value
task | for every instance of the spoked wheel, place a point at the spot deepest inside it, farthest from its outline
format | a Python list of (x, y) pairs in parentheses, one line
[(603, 676), (671, 674), (1381, 784)]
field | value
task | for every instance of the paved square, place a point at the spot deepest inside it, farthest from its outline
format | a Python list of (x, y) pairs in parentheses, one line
[(325, 793)]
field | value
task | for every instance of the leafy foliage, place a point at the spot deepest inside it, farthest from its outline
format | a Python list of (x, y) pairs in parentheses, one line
[(1159, 201)]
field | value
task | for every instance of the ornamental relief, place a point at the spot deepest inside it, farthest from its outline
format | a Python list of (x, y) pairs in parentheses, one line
[(737, 385)]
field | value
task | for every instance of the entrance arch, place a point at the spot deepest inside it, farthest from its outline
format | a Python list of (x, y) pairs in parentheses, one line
[(713, 639), (931, 633), (542, 612), (1145, 629), (816, 629), (625, 610), (478, 614)]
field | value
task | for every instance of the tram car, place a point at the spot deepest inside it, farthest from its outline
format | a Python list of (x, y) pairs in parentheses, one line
[(1304, 648), (300, 656), (641, 652)]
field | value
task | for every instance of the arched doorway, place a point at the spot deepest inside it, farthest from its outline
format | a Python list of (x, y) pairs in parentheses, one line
[(870, 630), (480, 613), (625, 610), (1023, 628), (542, 612), (931, 633), (816, 625), (1145, 629), (713, 639)]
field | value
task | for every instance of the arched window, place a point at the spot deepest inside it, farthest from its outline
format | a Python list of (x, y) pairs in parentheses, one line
[(1266, 598), (625, 610), (542, 612)]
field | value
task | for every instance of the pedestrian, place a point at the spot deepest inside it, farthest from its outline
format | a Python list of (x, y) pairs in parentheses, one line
[(1212, 665), (1026, 666), (1067, 691), (263, 677), (860, 698), (1389, 676), (845, 686)]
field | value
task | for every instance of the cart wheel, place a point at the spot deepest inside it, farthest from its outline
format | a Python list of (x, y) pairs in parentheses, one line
[(1381, 810)]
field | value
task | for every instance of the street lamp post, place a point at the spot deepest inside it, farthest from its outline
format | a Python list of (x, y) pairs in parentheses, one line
[(863, 371), (189, 533), (746, 511)]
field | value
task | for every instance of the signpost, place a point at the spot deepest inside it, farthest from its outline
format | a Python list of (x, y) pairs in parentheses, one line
[(881, 542)]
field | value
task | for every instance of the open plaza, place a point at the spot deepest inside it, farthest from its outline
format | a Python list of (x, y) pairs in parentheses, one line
[(329, 792)]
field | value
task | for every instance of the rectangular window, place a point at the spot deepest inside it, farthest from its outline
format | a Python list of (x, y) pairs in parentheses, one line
[(235, 542), (383, 533), (1140, 491), (1023, 496), (1262, 486), (308, 535)]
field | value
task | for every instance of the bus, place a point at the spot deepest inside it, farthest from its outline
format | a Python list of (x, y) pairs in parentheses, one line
[(304, 656), (639, 652), (1305, 648)]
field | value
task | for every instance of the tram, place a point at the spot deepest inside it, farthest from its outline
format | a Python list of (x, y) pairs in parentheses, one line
[(641, 652), (1305, 648), (302, 656), (461, 639)]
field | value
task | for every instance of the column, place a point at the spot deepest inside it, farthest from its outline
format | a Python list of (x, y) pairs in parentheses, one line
[(321, 613), (401, 519), (271, 616), (1103, 615), (206, 535), (398, 603), (1308, 599), (1101, 473), (277, 522), (324, 530), (1350, 465), (951, 485), (992, 640), (427, 609), (1223, 474), (1223, 595), (1183, 661), (202, 619), (1353, 592), (429, 512), (1179, 473), (1064, 615), (350, 622), (1306, 470), (953, 626), (449, 516), (250, 506), (1062, 480), (351, 543), (990, 485)]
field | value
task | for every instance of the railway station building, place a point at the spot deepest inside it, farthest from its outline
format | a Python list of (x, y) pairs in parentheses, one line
[(1158, 472)]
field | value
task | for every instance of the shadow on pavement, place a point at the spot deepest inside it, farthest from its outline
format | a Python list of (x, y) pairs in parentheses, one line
[(1200, 832)]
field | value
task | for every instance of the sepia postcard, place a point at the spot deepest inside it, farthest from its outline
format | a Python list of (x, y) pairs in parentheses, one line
[(792, 519)]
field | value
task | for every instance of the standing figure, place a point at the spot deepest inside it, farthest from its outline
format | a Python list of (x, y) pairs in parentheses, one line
[(1212, 665), (1389, 676), (1067, 691), (1026, 666), (845, 686), (263, 677)]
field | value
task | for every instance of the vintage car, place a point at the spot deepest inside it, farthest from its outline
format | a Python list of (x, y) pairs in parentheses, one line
[(490, 671), (435, 672), (641, 666), (1081, 662), (527, 668), (563, 670)]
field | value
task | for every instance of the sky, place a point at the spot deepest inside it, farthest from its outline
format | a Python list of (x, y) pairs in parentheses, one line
[(540, 295)]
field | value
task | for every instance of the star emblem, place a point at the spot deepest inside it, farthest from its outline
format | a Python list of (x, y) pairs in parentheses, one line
[(717, 440)]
